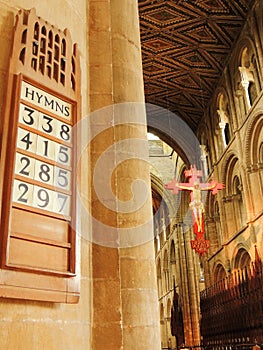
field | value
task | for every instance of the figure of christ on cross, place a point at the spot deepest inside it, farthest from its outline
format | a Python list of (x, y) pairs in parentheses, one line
[(195, 187)]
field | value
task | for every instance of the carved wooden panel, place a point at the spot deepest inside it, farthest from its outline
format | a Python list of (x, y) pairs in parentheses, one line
[(38, 163)]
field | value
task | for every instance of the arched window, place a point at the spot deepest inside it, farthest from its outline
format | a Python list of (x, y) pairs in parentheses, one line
[(227, 133), (242, 260), (242, 266), (249, 76), (220, 273), (224, 122), (234, 206)]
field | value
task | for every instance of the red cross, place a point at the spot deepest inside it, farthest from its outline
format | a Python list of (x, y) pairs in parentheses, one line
[(195, 187)]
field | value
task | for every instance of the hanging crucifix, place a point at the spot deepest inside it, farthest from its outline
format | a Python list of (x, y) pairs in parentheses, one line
[(200, 244)]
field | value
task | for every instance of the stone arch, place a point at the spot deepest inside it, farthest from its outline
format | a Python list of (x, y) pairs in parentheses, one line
[(249, 60), (238, 56), (234, 206), (163, 209), (164, 196), (175, 132), (246, 75), (254, 160), (214, 233), (223, 111), (227, 170), (241, 258), (219, 272), (254, 139), (240, 80)]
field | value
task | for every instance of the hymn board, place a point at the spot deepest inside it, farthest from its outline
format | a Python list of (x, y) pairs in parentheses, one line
[(39, 255), (43, 166)]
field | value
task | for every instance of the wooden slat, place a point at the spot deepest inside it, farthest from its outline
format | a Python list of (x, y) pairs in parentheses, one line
[(36, 225), (28, 254)]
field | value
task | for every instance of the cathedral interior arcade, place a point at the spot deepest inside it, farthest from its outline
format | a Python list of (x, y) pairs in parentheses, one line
[(200, 64)]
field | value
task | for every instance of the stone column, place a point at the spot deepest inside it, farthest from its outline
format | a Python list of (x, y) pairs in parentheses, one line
[(193, 290), (184, 283), (125, 308), (246, 78), (204, 160), (240, 106), (189, 287), (234, 104), (222, 124)]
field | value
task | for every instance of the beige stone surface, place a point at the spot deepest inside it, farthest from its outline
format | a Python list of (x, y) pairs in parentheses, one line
[(137, 273), (105, 262), (107, 336), (135, 297), (41, 325), (134, 337), (111, 278)]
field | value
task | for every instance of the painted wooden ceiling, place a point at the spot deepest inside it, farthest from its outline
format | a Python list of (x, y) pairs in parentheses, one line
[(185, 46)]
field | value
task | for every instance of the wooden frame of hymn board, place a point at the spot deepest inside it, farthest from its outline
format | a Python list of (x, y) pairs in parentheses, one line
[(38, 170)]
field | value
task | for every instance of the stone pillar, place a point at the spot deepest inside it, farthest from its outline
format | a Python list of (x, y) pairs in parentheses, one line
[(193, 290), (189, 288), (222, 125), (246, 78), (213, 235), (240, 106), (204, 160), (125, 307), (184, 284)]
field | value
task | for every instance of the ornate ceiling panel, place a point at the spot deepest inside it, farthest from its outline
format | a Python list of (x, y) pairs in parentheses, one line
[(185, 45)]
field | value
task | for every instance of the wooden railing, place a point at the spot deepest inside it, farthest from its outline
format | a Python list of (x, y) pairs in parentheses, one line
[(232, 310)]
